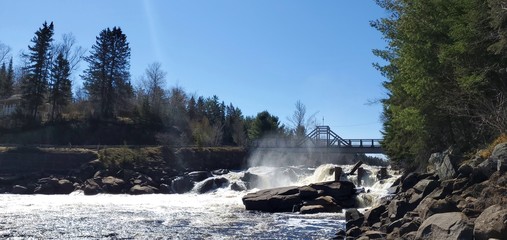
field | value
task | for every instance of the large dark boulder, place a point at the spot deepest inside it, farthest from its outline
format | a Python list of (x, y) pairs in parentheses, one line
[(46, 186), (18, 189), (283, 199), (320, 204), (450, 225), (138, 190), (64, 186), (91, 187), (339, 190), (500, 154), (431, 206), (492, 223), (373, 215), (211, 184), (198, 176), (444, 165), (111, 184), (353, 218), (182, 185)]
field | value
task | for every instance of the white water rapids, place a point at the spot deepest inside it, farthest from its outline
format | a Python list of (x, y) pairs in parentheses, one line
[(216, 215)]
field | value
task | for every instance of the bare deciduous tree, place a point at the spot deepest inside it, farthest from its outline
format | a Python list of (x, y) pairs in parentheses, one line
[(72, 53), (4, 52), (299, 120)]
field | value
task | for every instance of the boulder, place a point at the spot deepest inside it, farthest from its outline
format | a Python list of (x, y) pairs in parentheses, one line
[(353, 218), (211, 184), (18, 189), (407, 227), (450, 225), (164, 188), (447, 168), (398, 208), (238, 186), (65, 186), (396, 224), (465, 170), (492, 223), (251, 180), (374, 235), (409, 181), (307, 192), (46, 186), (91, 187), (310, 209), (198, 176), (431, 206), (487, 167), (320, 204), (284, 199), (181, 185), (138, 190), (111, 184), (219, 172), (373, 215), (339, 190), (500, 154), (354, 232)]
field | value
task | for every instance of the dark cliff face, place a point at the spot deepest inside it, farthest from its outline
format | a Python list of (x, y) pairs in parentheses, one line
[(41, 161)]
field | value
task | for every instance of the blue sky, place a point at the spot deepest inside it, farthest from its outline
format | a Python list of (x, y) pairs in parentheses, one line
[(259, 55)]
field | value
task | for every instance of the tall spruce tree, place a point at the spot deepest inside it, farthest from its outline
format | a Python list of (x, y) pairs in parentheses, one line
[(107, 79), (60, 92), (8, 84), (3, 79), (34, 87)]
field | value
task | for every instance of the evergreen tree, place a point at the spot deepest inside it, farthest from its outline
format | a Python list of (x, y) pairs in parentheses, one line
[(3, 79), (34, 87), (8, 84), (264, 124), (107, 79), (60, 93)]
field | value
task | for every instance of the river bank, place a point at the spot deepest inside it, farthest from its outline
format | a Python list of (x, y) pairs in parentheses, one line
[(453, 200)]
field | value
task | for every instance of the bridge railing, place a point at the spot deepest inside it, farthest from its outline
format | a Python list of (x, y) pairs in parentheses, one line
[(360, 143)]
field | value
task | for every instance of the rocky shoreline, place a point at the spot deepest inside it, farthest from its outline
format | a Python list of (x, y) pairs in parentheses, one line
[(450, 201), (167, 176)]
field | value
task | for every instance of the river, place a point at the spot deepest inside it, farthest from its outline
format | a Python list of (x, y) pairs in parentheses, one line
[(216, 215)]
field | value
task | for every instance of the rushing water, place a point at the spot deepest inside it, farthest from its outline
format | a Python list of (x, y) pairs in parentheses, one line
[(216, 215)]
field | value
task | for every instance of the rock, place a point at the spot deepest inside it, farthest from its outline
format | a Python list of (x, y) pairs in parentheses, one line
[(219, 172), (396, 224), (251, 180), (320, 204), (465, 170), (354, 232), (374, 235), (310, 209), (182, 185), (46, 186), (398, 208), (426, 186), (283, 199), (353, 218), (411, 226), (450, 225), (238, 186), (111, 184), (500, 154), (164, 188), (341, 190), (446, 169), (18, 189), (211, 184), (307, 192), (91, 187), (198, 176), (409, 181), (487, 167), (373, 215), (492, 223), (65, 186), (430, 206), (341, 234), (138, 189)]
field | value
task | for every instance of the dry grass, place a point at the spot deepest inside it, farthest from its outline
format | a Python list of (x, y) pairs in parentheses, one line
[(486, 153)]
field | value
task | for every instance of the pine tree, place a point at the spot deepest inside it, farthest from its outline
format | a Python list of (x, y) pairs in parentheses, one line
[(107, 79), (60, 92), (3, 79), (34, 87), (8, 84)]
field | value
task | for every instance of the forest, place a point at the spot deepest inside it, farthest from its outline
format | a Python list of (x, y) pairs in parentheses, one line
[(108, 108), (445, 66)]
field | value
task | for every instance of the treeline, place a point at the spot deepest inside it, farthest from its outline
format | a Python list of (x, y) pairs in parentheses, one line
[(446, 76), (109, 109)]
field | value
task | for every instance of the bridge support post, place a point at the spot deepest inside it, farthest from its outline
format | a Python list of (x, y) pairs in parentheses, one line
[(360, 175), (337, 173)]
